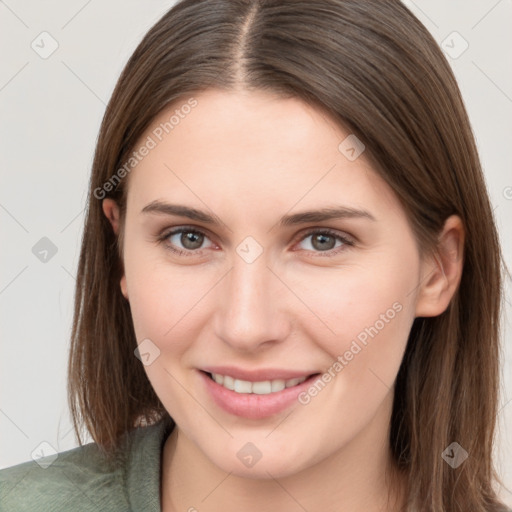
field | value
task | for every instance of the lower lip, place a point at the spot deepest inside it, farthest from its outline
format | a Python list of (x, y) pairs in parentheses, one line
[(251, 405)]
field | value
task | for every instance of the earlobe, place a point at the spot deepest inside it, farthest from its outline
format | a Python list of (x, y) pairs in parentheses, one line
[(124, 289), (111, 211), (442, 272)]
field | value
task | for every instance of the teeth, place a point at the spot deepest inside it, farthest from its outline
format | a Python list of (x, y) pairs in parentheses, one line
[(242, 386), (259, 388), (229, 382), (278, 385)]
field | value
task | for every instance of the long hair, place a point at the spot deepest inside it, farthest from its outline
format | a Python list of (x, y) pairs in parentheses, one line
[(376, 69)]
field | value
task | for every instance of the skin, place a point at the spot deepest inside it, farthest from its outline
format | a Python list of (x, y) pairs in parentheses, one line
[(251, 158)]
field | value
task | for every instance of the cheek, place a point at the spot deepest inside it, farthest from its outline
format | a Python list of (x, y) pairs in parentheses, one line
[(166, 308), (371, 315), (161, 295), (363, 314)]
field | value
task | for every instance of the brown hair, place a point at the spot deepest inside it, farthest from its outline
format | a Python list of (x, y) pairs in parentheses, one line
[(375, 68)]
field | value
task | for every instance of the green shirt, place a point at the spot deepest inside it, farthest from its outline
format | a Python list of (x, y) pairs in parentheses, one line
[(82, 480)]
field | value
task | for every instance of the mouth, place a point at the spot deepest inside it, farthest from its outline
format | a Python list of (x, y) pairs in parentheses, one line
[(255, 399), (263, 387)]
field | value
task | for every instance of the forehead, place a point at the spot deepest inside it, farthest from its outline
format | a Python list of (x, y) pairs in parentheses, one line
[(253, 149)]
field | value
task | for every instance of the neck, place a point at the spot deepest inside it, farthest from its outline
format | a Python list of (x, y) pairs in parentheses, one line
[(359, 477)]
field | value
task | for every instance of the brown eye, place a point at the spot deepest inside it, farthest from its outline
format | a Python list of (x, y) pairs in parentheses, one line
[(323, 242), (191, 240), (186, 240)]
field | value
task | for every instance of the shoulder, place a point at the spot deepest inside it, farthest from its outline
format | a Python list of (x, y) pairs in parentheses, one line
[(83, 479), (73, 477)]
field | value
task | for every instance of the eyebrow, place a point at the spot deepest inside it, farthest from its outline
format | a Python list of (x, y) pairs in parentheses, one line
[(320, 215), (341, 212)]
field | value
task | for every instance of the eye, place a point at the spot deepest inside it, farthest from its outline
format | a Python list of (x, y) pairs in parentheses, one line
[(324, 240), (190, 241), (186, 240)]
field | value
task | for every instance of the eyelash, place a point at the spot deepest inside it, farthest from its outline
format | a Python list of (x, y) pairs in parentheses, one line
[(346, 242)]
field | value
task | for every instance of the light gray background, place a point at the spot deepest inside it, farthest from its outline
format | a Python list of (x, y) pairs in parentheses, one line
[(51, 111)]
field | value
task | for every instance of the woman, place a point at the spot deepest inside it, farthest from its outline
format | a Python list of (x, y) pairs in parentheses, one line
[(289, 286)]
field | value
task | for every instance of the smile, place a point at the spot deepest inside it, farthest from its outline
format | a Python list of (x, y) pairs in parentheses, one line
[(264, 387), (268, 392)]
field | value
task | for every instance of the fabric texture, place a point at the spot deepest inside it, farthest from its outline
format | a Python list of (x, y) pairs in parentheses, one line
[(82, 480)]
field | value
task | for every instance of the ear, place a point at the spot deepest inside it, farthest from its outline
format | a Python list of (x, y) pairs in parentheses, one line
[(111, 211), (442, 272)]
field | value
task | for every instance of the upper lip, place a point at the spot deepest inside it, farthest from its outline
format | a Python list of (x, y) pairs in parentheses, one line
[(258, 374)]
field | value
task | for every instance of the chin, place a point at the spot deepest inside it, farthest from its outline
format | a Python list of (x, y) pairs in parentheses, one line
[(266, 462)]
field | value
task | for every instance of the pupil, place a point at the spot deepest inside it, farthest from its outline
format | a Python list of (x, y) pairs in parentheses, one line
[(191, 240), (323, 242)]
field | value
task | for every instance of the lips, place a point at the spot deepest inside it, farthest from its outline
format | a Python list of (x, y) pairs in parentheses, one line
[(256, 394)]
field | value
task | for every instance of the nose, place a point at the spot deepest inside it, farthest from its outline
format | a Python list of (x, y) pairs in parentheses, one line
[(251, 312)]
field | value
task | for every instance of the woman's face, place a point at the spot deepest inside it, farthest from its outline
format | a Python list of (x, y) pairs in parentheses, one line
[(259, 247)]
